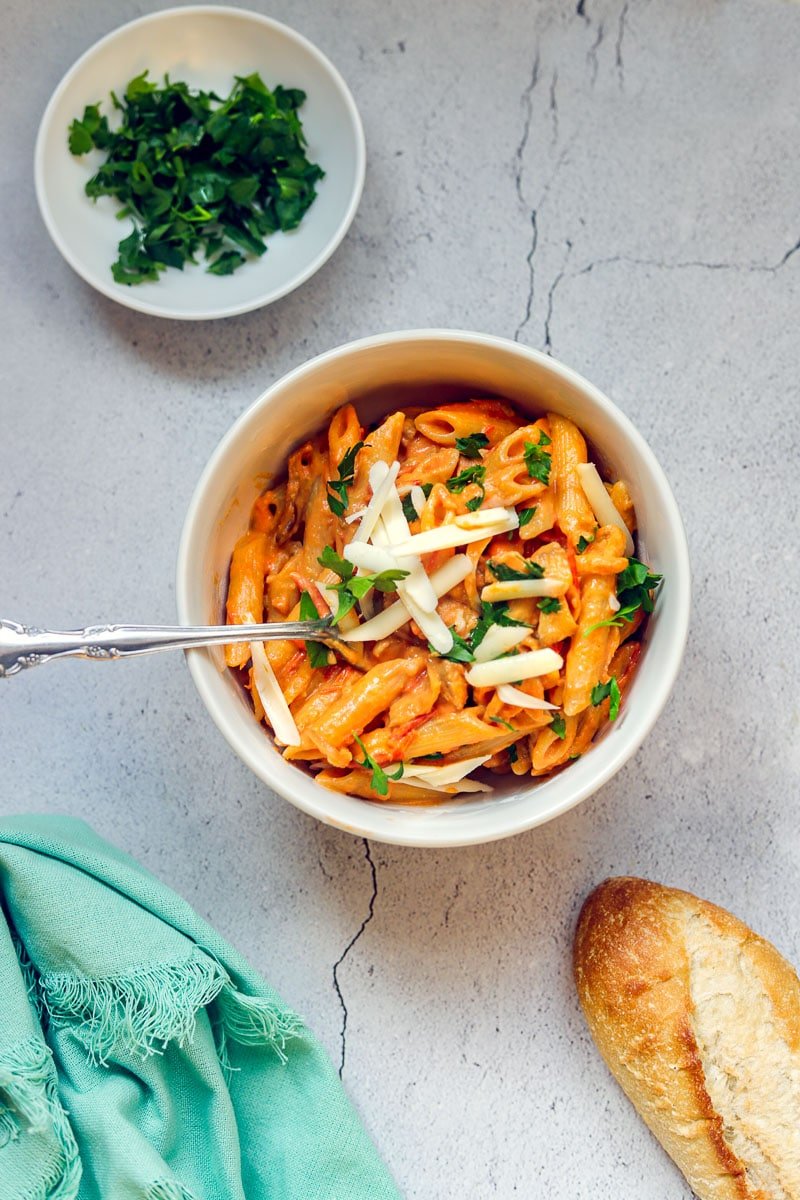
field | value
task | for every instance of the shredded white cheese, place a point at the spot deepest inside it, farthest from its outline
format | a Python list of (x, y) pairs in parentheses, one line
[(499, 639), (454, 571), (381, 480), (521, 589), (513, 696), (511, 670), (370, 558), (417, 499), (601, 503), (455, 533), (483, 517), (273, 699), (451, 789), (451, 773), (430, 623), (417, 587)]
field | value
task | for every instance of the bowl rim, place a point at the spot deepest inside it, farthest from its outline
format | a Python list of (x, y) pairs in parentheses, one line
[(114, 291), (313, 803)]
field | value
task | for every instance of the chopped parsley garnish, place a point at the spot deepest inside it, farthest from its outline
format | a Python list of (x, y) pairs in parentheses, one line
[(317, 653), (559, 726), (491, 614), (355, 587), (472, 445), (609, 690), (634, 586), (409, 512), (469, 475), (550, 604), (525, 515), (337, 488), (460, 651), (436, 754), (537, 459), (512, 753), (334, 562), (504, 572), (584, 542), (197, 174), (506, 724), (380, 778)]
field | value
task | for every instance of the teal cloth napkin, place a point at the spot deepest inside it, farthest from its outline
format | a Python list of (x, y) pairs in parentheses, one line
[(141, 1058)]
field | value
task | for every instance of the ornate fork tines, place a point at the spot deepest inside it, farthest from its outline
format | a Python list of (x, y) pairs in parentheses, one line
[(23, 646)]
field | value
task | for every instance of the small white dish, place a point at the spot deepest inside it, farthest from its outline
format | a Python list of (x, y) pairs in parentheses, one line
[(206, 46), (380, 374)]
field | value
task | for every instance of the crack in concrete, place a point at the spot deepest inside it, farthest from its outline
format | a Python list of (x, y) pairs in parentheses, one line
[(554, 106), (618, 47), (580, 11), (531, 276), (591, 54), (526, 100), (697, 263), (348, 948), (548, 344)]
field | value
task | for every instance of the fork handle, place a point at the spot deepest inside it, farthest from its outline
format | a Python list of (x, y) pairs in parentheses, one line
[(23, 646)]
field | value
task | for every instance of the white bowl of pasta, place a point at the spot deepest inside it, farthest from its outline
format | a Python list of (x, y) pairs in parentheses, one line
[(504, 562)]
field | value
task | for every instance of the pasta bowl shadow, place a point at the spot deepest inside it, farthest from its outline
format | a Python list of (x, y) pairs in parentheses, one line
[(380, 374)]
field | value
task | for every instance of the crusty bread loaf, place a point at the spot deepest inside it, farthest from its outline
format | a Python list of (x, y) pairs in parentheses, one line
[(699, 1020)]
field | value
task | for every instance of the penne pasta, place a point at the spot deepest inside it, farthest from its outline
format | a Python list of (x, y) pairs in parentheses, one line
[(482, 580)]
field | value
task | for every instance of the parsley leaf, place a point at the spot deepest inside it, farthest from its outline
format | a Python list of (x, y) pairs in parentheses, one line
[(469, 475), (502, 721), (512, 752), (537, 460), (380, 778), (317, 652), (609, 690), (197, 174), (460, 651), (504, 572), (635, 584), (355, 587), (226, 264), (525, 515), (584, 542), (472, 445), (559, 726), (436, 754), (491, 614), (337, 488), (634, 587), (334, 562), (550, 604), (409, 512)]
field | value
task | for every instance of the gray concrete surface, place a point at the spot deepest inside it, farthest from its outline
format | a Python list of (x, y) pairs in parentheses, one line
[(618, 183)]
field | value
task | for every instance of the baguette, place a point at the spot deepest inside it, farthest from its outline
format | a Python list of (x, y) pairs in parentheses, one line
[(698, 1019)]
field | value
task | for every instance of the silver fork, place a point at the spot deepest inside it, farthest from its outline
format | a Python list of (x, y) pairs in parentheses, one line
[(23, 646)]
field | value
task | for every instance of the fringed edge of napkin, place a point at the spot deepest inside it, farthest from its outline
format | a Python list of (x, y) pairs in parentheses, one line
[(168, 1189), (29, 1102), (147, 1008)]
